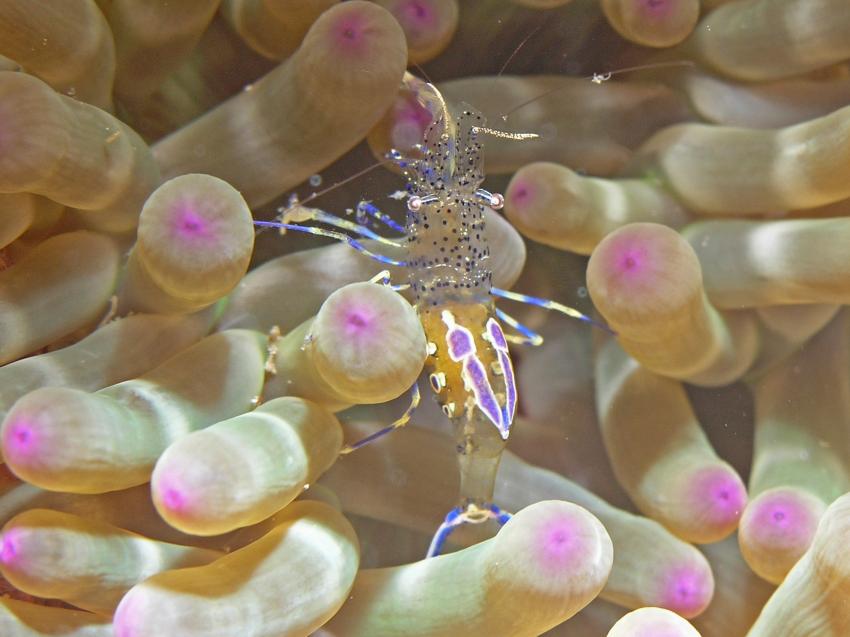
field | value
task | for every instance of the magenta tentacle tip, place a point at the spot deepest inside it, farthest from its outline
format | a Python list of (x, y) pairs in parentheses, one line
[(20, 438), (357, 321), (631, 255), (721, 493), (9, 546), (171, 494), (416, 15), (126, 616), (411, 119), (687, 590), (631, 259), (173, 499), (656, 8), (191, 225), (350, 33), (519, 193), (560, 544), (780, 518)]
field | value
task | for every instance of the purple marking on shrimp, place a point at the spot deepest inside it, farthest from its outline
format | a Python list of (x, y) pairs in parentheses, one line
[(509, 410), (460, 342), (485, 397), (458, 339), (497, 336)]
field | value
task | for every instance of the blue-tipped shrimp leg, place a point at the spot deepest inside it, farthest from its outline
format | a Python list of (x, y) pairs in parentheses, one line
[(396, 424), (546, 304), (339, 236), (455, 518), (367, 208), (529, 336)]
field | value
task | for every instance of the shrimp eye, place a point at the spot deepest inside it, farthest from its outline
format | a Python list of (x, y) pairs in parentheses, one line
[(438, 381)]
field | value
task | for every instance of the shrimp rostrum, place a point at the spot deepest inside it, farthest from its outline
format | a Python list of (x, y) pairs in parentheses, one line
[(447, 258)]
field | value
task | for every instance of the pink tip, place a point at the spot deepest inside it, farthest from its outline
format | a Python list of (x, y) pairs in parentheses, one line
[(655, 8), (631, 258), (173, 499), (416, 16), (188, 224), (560, 544), (123, 629), (410, 119), (10, 547), (781, 519), (127, 616), (350, 32), (719, 494), (686, 590), (172, 496), (520, 193), (20, 439), (357, 321)]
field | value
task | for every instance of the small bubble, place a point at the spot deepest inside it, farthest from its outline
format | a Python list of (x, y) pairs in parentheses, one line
[(582, 292), (44, 42), (247, 87), (71, 91), (316, 180)]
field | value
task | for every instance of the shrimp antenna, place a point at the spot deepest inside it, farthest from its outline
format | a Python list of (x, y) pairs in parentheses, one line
[(599, 78), (342, 182), (495, 132), (516, 50), (294, 201), (364, 208), (424, 73)]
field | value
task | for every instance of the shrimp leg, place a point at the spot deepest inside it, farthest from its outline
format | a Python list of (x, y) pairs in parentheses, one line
[(529, 336), (548, 304), (400, 422), (339, 236), (365, 208), (462, 515)]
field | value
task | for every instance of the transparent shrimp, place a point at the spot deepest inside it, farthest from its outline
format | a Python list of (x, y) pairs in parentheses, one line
[(447, 257), (468, 365)]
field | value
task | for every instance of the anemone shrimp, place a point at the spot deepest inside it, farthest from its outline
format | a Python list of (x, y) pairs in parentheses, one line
[(468, 361)]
